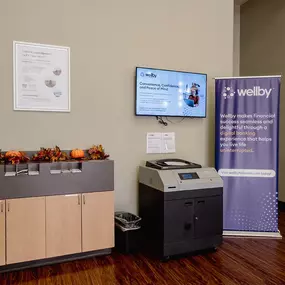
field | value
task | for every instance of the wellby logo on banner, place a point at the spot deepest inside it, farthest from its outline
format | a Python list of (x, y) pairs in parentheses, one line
[(247, 135), (228, 93), (256, 91)]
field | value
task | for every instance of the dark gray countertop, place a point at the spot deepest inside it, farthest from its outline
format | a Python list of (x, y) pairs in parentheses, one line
[(95, 176)]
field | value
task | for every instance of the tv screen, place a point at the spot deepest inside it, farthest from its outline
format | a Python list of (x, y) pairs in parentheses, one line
[(168, 93)]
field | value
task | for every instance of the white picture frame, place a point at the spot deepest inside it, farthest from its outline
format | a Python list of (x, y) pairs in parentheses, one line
[(41, 77)]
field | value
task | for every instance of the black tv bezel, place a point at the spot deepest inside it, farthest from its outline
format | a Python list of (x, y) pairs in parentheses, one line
[(170, 70)]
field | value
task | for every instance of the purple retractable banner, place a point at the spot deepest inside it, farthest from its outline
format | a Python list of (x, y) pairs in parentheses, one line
[(247, 142)]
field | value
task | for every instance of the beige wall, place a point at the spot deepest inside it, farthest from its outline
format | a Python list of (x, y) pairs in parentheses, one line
[(236, 52), (108, 39), (263, 53)]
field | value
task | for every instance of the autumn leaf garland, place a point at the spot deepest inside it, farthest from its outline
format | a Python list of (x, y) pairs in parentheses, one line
[(96, 152)]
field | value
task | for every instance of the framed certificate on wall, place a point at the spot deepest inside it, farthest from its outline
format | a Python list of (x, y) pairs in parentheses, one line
[(41, 77)]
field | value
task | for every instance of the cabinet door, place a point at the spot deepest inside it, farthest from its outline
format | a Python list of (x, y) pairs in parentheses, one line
[(25, 229), (178, 221), (2, 232), (63, 225), (98, 221), (208, 216)]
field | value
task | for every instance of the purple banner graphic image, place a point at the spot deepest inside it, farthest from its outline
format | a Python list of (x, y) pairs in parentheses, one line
[(247, 135)]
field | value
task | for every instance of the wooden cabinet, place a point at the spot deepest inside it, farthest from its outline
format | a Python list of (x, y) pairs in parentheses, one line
[(97, 221), (25, 229), (63, 225), (2, 233), (44, 227)]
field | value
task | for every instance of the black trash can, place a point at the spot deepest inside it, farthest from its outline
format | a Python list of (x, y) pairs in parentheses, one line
[(127, 232)]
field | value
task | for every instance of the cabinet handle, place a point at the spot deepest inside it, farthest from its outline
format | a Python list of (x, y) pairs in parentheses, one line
[(78, 199), (8, 207), (84, 199), (187, 226), (2, 207)]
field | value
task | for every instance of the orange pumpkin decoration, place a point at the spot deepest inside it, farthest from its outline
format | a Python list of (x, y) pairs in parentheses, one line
[(77, 153), (13, 153), (15, 157)]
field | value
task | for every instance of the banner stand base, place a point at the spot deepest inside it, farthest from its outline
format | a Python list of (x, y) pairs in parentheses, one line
[(252, 234)]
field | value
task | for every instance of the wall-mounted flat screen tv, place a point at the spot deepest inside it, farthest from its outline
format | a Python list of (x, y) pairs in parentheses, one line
[(168, 93)]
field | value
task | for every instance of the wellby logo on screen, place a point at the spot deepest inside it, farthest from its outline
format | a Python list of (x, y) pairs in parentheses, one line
[(256, 91), (150, 75)]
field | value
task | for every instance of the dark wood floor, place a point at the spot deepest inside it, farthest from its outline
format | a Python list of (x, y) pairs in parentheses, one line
[(237, 261)]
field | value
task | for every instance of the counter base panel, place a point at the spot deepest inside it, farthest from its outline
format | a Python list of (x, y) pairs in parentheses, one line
[(54, 260)]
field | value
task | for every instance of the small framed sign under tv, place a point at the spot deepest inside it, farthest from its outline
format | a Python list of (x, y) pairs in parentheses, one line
[(169, 93)]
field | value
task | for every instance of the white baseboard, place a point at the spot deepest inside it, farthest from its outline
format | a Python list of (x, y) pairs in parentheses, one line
[(252, 234)]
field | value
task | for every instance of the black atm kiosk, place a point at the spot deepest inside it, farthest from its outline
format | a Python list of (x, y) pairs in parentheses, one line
[(181, 206)]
